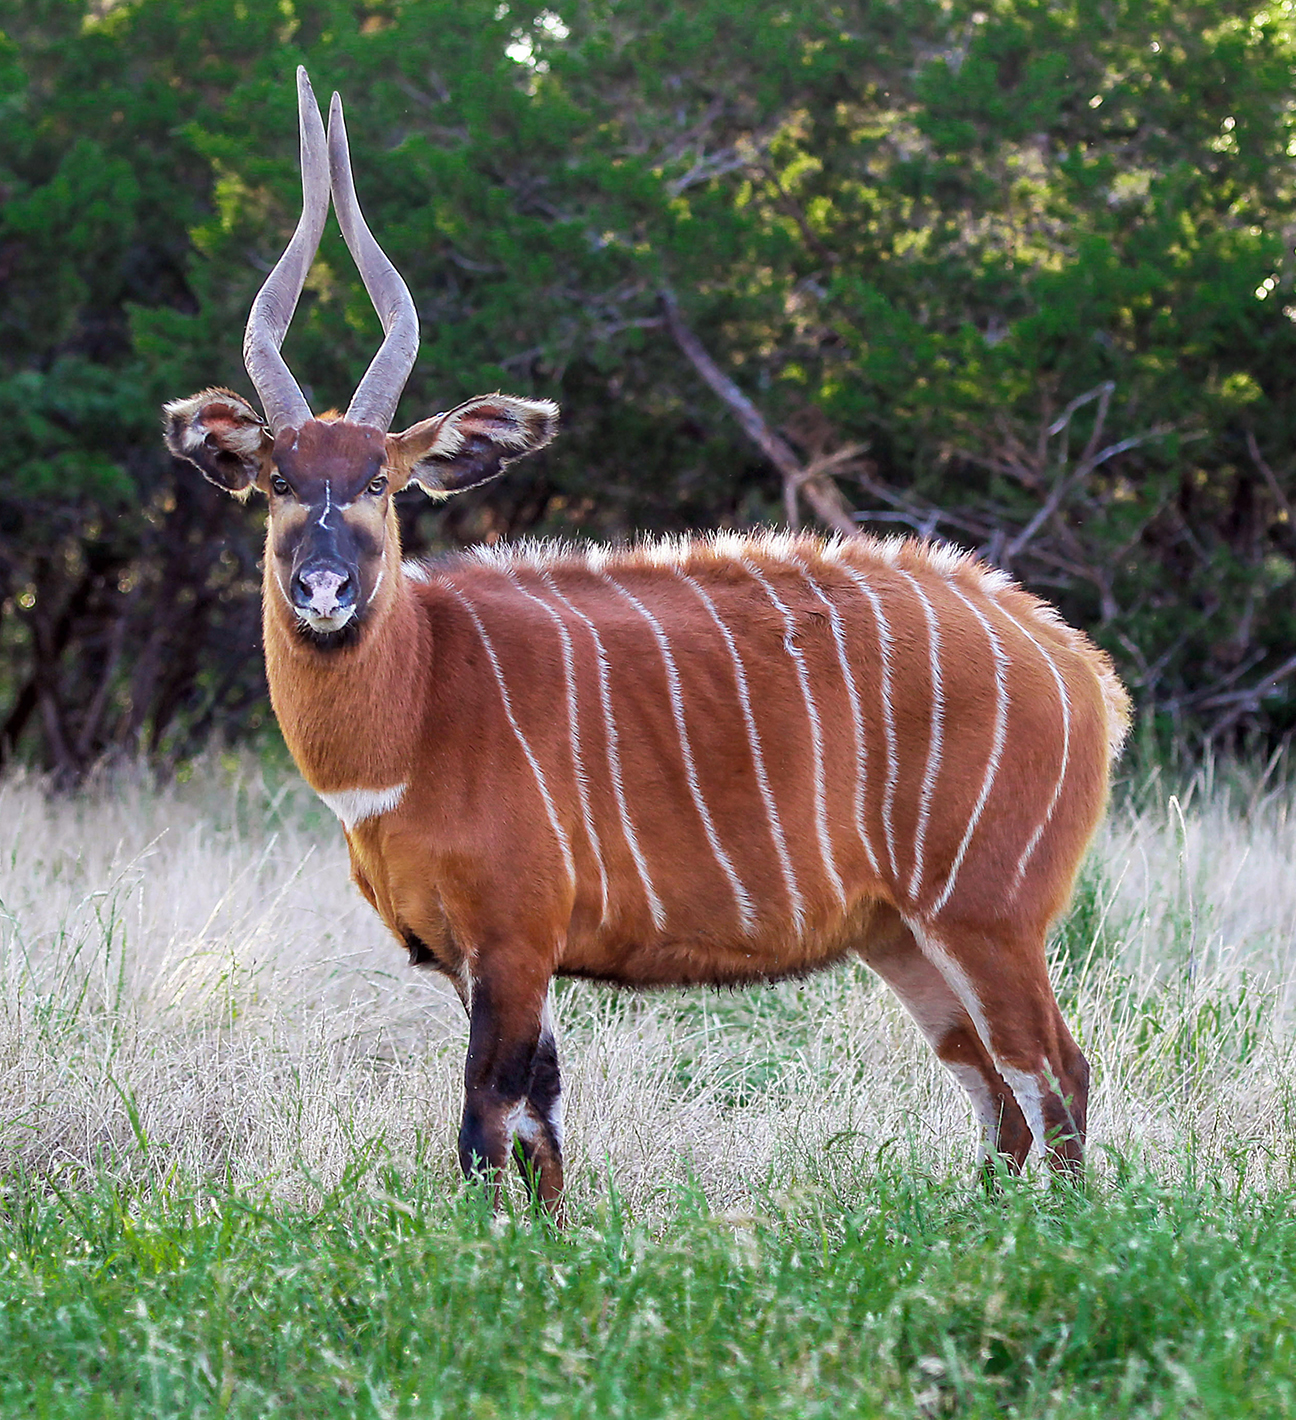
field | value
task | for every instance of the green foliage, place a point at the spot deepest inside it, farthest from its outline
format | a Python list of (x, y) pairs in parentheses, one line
[(934, 230), (391, 1299)]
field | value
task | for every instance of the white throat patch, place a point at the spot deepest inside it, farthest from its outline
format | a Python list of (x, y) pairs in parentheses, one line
[(354, 806)]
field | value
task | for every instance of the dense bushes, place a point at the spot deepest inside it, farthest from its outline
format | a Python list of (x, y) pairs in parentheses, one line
[(1019, 275)]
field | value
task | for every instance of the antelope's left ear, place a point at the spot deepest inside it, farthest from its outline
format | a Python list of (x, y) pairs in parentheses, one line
[(471, 444)]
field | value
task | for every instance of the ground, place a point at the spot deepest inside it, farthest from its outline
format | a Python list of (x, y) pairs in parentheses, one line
[(227, 1149)]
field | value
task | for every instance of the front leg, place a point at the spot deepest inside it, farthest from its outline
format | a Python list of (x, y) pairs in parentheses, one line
[(512, 1089)]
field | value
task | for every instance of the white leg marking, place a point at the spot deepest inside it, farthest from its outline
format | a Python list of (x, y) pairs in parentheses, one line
[(463, 984), (996, 746), (522, 1122), (1065, 701), (984, 1105), (655, 907), (354, 806), (857, 716), (888, 714), (758, 759), (1025, 1086), (935, 741), (573, 727), (541, 783), (816, 731), (549, 1031), (746, 908), (1029, 1094)]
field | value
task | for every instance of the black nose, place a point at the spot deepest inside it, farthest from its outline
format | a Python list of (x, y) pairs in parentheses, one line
[(323, 589)]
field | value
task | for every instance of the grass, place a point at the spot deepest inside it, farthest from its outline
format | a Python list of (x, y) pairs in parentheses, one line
[(394, 1297), (227, 1182)]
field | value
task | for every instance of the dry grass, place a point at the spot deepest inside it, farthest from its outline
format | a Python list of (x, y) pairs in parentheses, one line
[(189, 986)]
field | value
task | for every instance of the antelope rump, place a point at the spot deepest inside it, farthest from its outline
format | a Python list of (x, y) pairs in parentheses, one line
[(706, 761)]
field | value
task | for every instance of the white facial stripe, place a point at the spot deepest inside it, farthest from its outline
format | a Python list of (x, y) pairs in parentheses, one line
[(1065, 702), (573, 731), (996, 746), (816, 731), (541, 784), (283, 591), (857, 715), (328, 503), (888, 715), (758, 759), (935, 740), (746, 908), (354, 806), (655, 907)]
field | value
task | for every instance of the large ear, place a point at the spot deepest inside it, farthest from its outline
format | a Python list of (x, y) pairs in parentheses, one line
[(471, 444), (223, 435)]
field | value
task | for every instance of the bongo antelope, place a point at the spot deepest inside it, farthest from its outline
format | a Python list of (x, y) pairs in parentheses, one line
[(706, 761)]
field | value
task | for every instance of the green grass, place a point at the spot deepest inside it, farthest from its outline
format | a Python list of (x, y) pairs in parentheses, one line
[(201, 1025), (913, 1296)]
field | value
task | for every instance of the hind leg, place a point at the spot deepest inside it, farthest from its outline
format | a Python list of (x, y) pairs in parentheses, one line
[(893, 953), (1001, 980)]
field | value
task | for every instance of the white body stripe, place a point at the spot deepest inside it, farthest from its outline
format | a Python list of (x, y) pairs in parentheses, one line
[(541, 783), (935, 739), (655, 907), (758, 759), (746, 908), (857, 716), (354, 806), (888, 713), (816, 731), (996, 746), (573, 727), (1065, 701)]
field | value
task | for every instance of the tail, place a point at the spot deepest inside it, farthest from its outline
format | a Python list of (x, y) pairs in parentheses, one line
[(1116, 701)]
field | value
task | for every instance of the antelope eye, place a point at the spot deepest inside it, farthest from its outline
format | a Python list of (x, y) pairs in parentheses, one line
[(378, 485), (278, 485)]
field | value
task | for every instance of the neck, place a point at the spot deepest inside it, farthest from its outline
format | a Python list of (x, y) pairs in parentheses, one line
[(350, 715)]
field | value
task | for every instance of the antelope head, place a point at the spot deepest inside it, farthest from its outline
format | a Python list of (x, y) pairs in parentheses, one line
[(332, 531)]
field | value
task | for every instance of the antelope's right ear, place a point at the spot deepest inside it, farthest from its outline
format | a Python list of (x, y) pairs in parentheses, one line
[(223, 435)]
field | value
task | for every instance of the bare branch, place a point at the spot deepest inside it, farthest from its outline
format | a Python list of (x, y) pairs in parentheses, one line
[(742, 154), (810, 482), (1267, 473), (746, 413)]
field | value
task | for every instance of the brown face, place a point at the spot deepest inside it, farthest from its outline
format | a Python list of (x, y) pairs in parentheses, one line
[(328, 491), (329, 485)]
